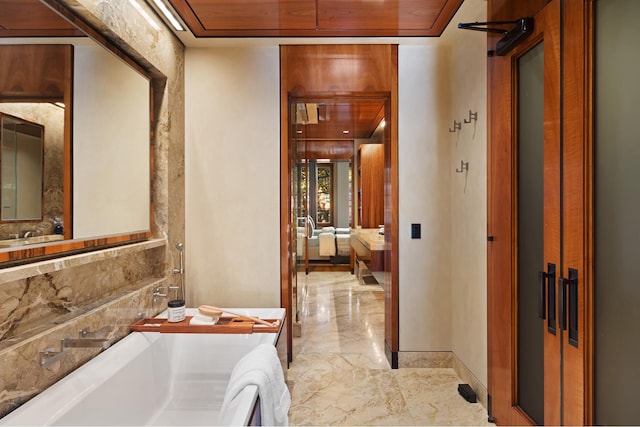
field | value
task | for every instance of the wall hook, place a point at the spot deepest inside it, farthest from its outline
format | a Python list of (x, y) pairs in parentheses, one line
[(464, 166), (456, 126), (472, 117)]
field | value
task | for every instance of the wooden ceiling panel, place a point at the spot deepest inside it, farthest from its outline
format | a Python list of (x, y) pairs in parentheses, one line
[(378, 15), (254, 14), (25, 18), (316, 18), (359, 117)]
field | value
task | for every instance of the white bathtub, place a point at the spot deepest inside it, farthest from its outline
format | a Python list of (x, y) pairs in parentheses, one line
[(150, 378)]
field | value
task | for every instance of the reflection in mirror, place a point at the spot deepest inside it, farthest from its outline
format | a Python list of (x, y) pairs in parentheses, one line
[(105, 191), (21, 167), (111, 171), (49, 176)]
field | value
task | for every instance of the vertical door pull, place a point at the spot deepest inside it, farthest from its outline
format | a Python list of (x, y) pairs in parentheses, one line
[(551, 298), (562, 303), (542, 292), (568, 310), (573, 306)]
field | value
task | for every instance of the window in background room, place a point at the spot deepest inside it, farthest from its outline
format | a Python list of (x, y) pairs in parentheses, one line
[(324, 194)]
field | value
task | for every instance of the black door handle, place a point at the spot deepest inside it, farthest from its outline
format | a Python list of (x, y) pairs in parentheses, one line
[(542, 293), (573, 306), (569, 297), (547, 296), (562, 303)]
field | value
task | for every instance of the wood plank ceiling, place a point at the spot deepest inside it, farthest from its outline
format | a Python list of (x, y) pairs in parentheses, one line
[(316, 18)]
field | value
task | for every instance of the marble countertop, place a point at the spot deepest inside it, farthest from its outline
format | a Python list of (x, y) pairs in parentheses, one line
[(370, 238)]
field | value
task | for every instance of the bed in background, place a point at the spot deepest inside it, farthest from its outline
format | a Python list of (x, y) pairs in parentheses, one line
[(326, 244)]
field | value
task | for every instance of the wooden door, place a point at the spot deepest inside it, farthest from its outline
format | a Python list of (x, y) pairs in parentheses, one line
[(536, 224), (577, 213)]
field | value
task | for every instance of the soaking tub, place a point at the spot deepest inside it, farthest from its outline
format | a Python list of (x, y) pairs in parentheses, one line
[(149, 378)]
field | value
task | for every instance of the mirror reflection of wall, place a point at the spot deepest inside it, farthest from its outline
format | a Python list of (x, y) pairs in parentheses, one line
[(110, 134), (38, 181), (111, 170)]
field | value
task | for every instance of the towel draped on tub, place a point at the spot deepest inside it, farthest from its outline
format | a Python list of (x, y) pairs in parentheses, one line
[(261, 367)]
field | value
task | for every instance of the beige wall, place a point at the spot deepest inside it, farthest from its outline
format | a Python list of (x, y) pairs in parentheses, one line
[(232, 176), (236, 88), (424, 178), (468, 66), (111, 150)]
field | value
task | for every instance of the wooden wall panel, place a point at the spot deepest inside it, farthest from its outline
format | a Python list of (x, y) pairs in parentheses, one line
[(371, 185), (35, 72), (336, 69)]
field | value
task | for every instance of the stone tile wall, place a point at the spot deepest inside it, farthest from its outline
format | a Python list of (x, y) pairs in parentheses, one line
[(45, 302)]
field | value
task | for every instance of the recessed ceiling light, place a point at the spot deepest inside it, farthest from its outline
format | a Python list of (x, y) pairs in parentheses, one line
[(345, 132), (169, 15), (298, 131)]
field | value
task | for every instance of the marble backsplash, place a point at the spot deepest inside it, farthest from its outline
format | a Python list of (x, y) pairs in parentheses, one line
[(48, 301)]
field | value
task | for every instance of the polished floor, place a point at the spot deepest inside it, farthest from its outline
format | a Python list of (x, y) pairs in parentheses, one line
[(340, 376)]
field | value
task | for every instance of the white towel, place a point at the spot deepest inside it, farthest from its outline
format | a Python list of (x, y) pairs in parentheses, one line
[(261, 367), (327, 244), (343, 242)]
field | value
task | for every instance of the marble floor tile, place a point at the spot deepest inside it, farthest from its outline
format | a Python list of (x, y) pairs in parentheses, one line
[(340, 375)]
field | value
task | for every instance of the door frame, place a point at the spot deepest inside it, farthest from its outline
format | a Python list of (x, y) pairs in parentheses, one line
[(381, 65)]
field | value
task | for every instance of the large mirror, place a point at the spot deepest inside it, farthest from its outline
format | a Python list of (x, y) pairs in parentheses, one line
[(95, 169)]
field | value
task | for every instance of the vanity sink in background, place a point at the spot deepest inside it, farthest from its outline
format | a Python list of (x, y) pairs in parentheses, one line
[(32, 240)]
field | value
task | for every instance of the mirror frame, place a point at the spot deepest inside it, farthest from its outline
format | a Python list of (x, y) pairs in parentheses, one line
[(38, 252)]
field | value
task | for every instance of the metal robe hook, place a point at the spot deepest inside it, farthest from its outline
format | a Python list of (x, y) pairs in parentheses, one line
[(456, 126), (472, 117), (464, 166)]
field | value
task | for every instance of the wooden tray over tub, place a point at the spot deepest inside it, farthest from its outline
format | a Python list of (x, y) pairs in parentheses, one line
[(225, 325)]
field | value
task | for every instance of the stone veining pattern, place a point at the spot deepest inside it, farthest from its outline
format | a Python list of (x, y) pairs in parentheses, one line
[(340, 375)]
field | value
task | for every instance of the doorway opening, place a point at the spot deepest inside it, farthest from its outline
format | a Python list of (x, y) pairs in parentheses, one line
[(339, 82), (338, 157)]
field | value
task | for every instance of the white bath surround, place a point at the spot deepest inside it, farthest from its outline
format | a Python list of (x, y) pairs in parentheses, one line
[(149, 378)]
